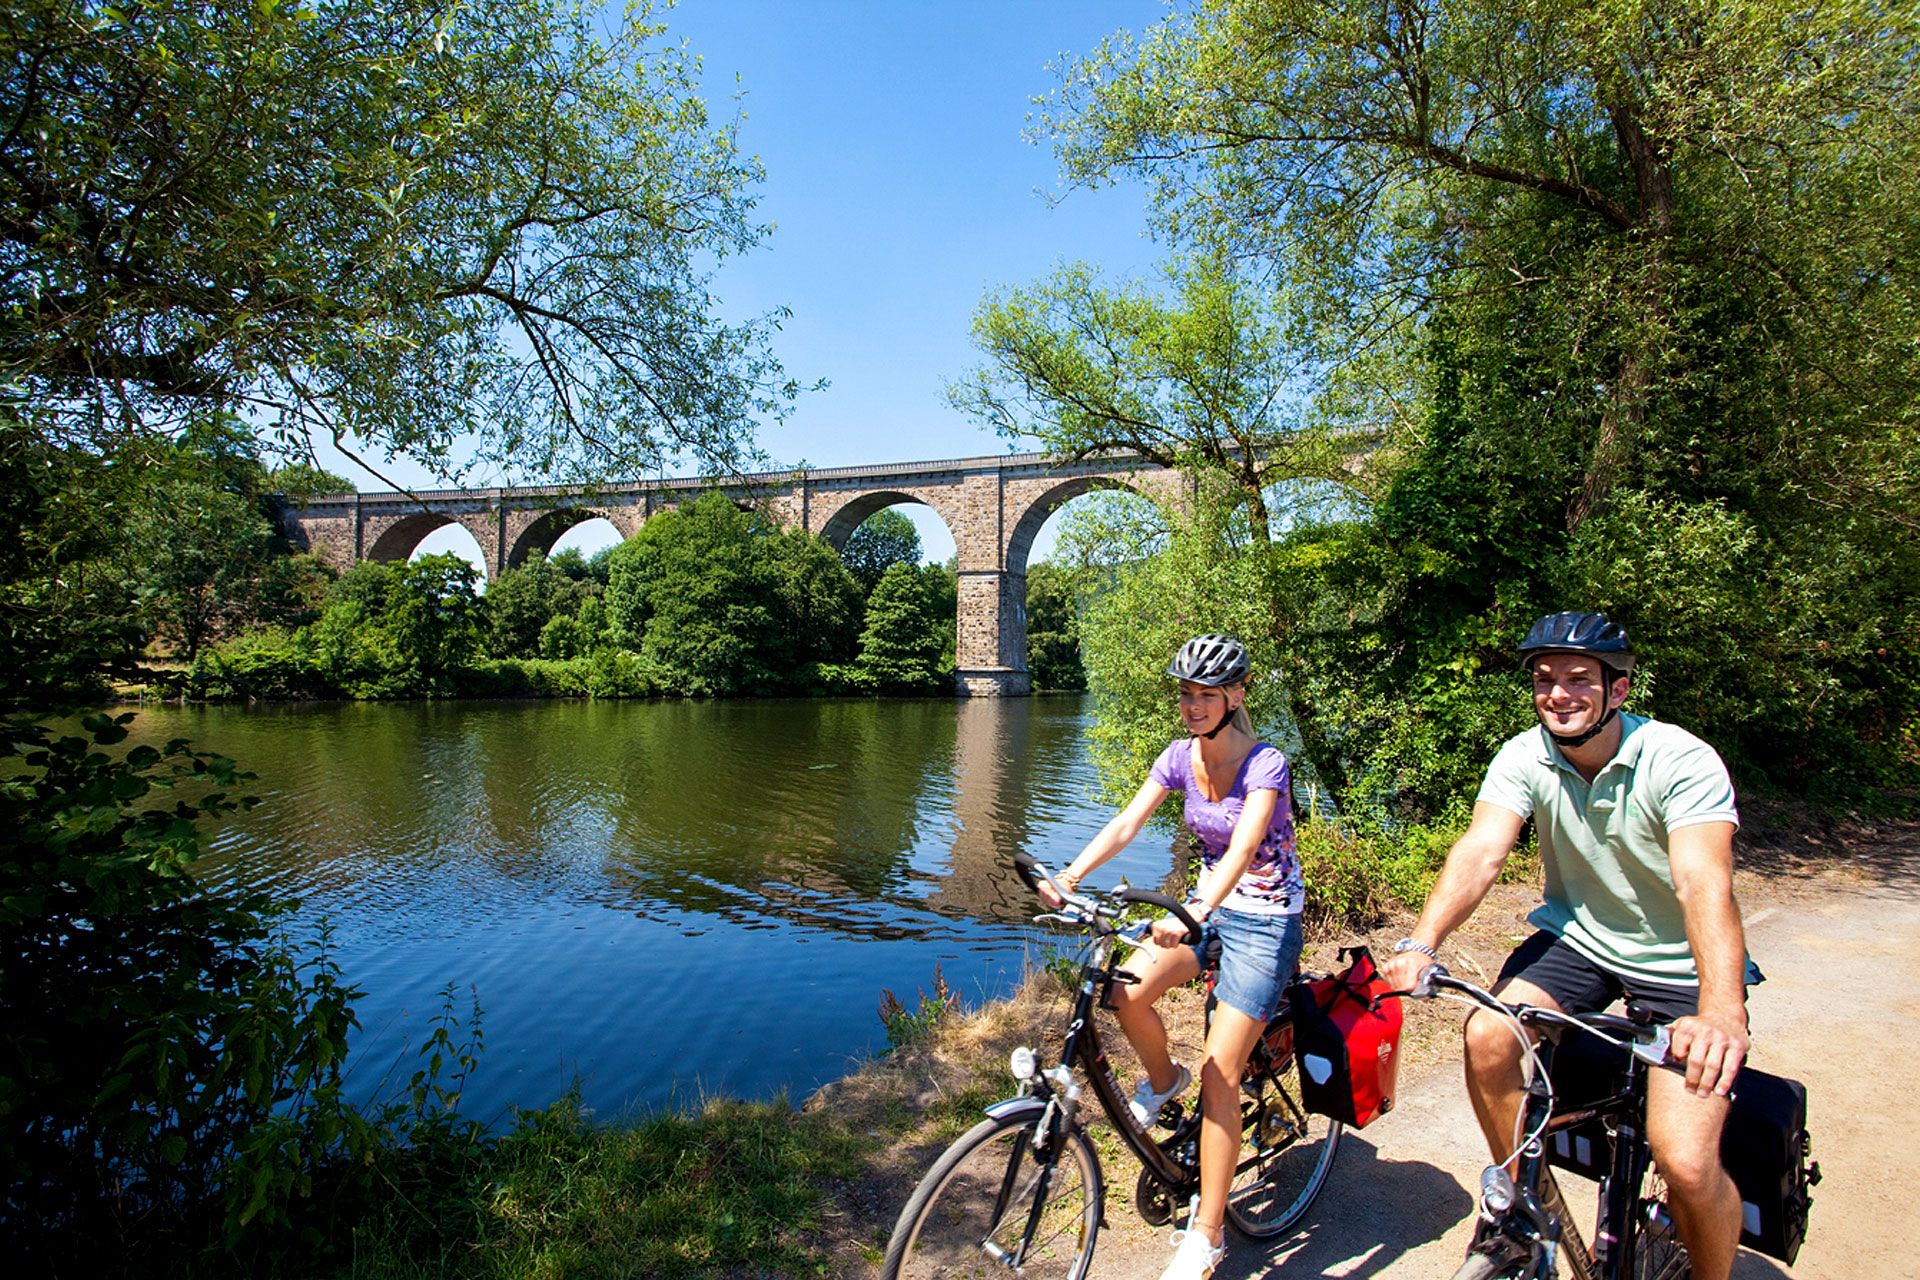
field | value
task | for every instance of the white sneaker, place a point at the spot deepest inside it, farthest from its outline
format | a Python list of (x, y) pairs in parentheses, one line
[(1146, 1103), (1196, 1256)]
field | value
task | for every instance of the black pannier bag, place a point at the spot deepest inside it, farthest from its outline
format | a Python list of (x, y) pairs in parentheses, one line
[(1765, 1146)]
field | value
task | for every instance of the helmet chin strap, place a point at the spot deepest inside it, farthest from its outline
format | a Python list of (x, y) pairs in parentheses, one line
[(1226, 718), (1576, 739)]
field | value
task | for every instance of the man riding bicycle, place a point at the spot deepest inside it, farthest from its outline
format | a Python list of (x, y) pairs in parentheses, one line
[(1635, 821)]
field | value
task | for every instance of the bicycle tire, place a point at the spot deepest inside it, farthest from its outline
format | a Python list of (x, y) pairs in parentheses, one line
[(981, 1195), (1657, 1251), (1479, 1266), (1285, 1155)]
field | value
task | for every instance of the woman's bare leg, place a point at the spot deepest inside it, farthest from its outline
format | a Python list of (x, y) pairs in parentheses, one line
[(1159, 971)]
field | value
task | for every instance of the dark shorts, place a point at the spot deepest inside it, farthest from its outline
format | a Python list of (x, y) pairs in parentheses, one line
[(1578, 985)]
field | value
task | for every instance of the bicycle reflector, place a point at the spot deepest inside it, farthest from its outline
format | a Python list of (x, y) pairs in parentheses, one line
[(1023, 1063)]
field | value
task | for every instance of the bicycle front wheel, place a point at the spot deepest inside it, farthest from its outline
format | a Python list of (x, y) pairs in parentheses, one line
[(1657, 1251), (995, 1204), (1285, 1155)]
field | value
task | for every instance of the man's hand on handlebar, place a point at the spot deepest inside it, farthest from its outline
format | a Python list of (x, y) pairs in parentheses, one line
[(1712, 1047), (1402, 972)]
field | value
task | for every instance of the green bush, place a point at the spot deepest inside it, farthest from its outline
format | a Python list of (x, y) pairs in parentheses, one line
[(911, 1025), (259, 666), (171, 1072), (1357, 873)]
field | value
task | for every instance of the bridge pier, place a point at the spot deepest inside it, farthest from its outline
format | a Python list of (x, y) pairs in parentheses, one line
[(990, 638)]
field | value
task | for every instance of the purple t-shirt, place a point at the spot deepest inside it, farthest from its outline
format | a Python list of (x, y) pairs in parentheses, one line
[(1272, 884)]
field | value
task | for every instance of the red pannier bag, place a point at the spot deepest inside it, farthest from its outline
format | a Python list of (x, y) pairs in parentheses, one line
[(1346, 1042)]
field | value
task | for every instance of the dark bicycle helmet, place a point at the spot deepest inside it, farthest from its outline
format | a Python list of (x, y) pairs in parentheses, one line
[(1573, 632), (1210, 660)]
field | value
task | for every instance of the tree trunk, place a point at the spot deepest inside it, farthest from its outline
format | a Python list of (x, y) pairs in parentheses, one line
[(1623, 419)]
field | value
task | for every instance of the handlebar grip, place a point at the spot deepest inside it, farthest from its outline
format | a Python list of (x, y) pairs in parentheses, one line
[(1151, 898), (1029, 868), (1422, 988)]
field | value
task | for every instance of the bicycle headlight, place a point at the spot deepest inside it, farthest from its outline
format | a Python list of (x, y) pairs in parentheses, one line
[(1497, 1191), (1023, 1063)]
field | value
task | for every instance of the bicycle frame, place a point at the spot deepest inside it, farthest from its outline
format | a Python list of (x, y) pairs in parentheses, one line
[(1084, 1052), (1526, 1220)]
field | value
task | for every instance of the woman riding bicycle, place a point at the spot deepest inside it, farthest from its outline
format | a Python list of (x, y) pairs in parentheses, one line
[(1249, 897)]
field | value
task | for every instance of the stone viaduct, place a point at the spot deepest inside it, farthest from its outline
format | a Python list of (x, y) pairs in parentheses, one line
[(993, 507)]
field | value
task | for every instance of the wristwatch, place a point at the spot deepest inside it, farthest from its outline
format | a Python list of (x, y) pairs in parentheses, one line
[(1414, 944)]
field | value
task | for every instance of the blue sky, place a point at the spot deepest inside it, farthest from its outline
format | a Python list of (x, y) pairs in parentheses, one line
[(902, 189)]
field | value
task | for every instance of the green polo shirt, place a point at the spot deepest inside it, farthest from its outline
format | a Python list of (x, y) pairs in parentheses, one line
[(1609, 889)]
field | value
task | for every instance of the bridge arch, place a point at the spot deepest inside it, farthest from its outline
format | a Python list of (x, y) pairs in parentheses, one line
[(1027, 524), (542, 533), (402, 537)]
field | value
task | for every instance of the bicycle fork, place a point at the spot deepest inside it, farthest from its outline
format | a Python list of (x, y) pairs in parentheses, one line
[(1048, 1130)]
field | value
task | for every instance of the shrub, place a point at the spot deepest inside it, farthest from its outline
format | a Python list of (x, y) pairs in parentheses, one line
[(261, 665), (171, 1071), (907, 1026)]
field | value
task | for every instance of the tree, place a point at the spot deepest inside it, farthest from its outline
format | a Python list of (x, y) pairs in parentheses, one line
[(900, 649), (523, 601), (884, 539), (433, 614), (819, 600), (199, 549), (1631, 283), (1053, 636), (1618, 159), (1205, 381), (400, 226), (167, 1054), (695, 593)]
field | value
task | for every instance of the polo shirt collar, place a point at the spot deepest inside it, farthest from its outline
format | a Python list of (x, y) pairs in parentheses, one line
[(1625, 756)]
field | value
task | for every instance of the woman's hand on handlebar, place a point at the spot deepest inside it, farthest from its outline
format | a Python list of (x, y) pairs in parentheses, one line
[(1169, 931)]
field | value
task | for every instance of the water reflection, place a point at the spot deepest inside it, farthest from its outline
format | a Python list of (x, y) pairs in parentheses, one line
[(650, 895)]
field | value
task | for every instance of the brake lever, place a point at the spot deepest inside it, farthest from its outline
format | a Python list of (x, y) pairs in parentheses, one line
[(1656, 1050)]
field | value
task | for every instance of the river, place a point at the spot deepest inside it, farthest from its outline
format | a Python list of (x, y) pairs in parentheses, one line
[(657, 901)]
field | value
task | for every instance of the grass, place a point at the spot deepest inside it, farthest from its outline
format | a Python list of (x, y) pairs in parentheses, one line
[(733, 1186)]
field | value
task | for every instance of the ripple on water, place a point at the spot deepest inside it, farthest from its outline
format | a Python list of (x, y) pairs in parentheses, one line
[(654, 897)]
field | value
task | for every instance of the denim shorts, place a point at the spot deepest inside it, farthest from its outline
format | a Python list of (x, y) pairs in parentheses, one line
[(1258, 956)]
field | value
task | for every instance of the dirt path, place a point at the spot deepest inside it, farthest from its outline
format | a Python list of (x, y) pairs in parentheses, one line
[(1839, 939)]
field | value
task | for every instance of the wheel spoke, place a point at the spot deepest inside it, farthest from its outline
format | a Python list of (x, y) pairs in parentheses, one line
[(992, 1205)]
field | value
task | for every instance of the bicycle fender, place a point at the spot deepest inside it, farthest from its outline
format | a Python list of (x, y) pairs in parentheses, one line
[(1016, 1106)]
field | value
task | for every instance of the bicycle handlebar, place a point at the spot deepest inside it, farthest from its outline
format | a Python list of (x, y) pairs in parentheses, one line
[(1033, 871), (1648, 1043)]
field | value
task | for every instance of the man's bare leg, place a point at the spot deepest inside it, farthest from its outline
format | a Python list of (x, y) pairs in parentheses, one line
[(1496, 1081), (1684, 1131)]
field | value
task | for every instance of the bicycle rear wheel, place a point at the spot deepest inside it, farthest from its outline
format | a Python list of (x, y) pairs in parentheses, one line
[(992, 1205), (1285, 1155)]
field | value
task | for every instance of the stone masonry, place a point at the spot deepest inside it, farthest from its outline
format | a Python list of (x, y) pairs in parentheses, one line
[(993, 507)]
